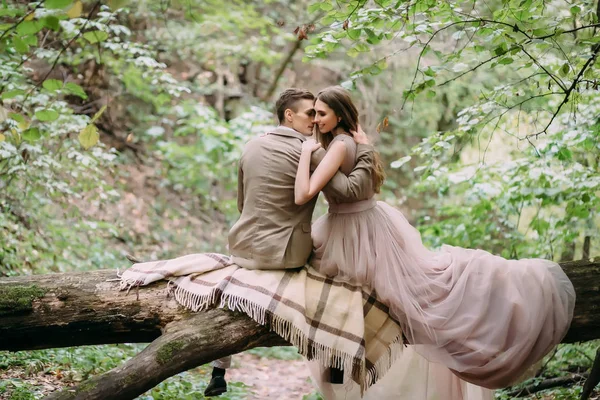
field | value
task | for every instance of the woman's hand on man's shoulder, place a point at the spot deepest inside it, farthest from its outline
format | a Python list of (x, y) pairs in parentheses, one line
[(310, 145), (360, 137)]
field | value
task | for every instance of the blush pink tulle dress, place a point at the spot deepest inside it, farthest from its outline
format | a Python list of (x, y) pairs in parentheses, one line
[(485, 318)]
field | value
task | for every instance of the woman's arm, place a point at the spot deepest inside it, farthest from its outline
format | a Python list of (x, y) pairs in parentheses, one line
[(308, 186)]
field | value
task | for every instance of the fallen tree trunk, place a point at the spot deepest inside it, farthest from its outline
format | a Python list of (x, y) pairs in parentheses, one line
[(85, 308)]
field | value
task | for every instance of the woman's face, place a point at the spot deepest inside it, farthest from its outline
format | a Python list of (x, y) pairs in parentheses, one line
[(325, 118)]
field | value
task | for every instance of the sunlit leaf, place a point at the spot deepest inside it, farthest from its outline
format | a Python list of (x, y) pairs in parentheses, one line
[(52, 85), (95, 36), (76, 10), (400, 162), (12, 93), (326, 6), (314, 7), (16, 117), (382, 64), (47, 115), (29, 27), (89, 136), (32, 134), (354, 34)]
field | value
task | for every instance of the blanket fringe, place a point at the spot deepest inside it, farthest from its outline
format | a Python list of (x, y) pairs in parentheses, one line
[(326, 356), (385, 362)]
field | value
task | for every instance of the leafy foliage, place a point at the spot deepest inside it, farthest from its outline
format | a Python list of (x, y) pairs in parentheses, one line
[(121, 125)]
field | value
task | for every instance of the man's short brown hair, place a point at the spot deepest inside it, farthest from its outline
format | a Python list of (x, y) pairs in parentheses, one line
[(288, 99)]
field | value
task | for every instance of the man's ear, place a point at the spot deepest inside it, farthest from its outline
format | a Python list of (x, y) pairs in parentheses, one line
[(288, 114)]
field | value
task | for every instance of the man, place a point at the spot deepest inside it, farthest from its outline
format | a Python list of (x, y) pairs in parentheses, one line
[(272, 231)]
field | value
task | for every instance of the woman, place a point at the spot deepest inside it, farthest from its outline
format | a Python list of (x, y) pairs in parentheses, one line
[(486, 318)]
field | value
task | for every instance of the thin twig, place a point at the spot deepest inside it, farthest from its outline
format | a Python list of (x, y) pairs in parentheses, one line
[(555, 79), (475, 67)]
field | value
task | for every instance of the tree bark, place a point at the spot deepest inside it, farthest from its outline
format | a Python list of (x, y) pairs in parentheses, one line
[(83, 308)]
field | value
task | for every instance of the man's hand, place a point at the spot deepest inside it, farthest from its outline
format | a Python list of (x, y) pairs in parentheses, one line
[(310, 145), (360, 137)]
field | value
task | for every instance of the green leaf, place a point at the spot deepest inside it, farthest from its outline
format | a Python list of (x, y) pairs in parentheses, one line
[(354, 34), (52, 85), (20, 45), (382, 63), (374, 70), (500, 49), (362, 47), (352, 52), (47, 115), (32, 134), (89, 136), (16, 117), (95, 36), (328, 20), (565, 69), (12, 93), (429, 71), (8, 12), (564, 154), (326, 6), (506, 60), (75, 89), (372, 37), (51, 22), (30, 40), (314, 7), (29, 27), (57, 4)]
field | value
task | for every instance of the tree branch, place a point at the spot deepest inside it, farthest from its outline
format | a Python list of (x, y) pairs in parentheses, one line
[(568, 91), (548, 384)]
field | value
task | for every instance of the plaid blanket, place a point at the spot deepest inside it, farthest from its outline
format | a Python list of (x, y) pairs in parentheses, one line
[(336, 323)]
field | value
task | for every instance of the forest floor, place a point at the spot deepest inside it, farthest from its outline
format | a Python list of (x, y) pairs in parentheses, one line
[(263, 373)]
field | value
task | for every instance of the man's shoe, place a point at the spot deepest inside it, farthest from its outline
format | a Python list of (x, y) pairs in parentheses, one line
[(336, 375), (217, 386)]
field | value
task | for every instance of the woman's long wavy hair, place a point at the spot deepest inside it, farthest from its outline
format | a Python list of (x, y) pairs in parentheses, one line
[(339, 100)]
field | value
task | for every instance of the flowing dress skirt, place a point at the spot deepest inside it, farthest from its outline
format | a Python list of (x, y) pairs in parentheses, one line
[(485, 318)]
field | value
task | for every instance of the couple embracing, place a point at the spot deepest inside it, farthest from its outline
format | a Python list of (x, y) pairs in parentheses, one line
[(485, 318)]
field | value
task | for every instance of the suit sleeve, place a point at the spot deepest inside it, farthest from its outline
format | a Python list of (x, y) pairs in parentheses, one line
[(358, 184)]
